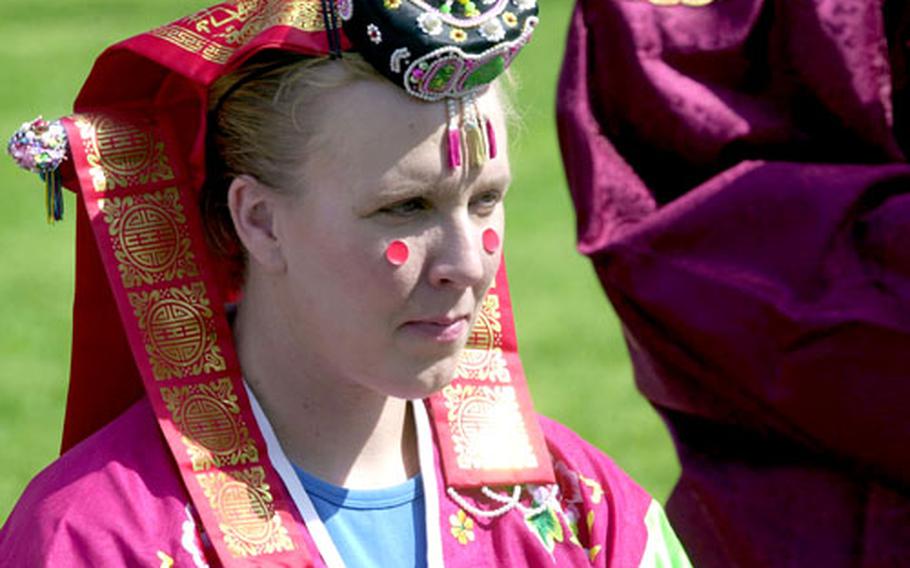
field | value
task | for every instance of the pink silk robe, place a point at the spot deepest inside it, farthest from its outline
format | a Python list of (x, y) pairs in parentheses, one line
[(116, 499)]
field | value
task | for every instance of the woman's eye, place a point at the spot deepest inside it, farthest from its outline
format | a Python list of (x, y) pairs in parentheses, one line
[(405, 208), (487, 201)]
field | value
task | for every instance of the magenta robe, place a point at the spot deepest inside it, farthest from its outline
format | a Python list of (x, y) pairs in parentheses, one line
[(116, 499), (741, 180)]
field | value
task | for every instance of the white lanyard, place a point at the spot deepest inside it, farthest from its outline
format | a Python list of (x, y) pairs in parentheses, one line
[(314, 524)]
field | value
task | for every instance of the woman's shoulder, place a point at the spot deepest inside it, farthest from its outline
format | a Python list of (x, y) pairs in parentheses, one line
[(571, 451), (605, 507), (114, 496)]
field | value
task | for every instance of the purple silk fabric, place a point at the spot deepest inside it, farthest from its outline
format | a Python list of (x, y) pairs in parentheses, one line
[(740, 177)]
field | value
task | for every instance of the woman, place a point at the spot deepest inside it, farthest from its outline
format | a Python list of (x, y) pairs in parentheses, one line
[(362, 217)]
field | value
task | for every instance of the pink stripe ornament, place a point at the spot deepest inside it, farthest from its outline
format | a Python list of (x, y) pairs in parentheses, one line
[(397, 253), (491, 241), (491, 139), (454, 149)]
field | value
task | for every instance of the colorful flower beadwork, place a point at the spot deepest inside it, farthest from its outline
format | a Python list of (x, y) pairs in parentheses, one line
[(374, 34), (462, 527), (492, 30), (38, 146), (430, 23), (458, 35)]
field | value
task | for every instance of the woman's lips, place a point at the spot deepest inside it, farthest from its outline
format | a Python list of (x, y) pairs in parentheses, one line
[(443, 330)]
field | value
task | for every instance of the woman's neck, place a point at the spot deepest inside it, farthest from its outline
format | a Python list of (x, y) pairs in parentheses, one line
[(332, 427)]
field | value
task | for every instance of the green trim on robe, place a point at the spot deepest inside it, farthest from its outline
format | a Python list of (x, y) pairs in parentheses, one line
[(663, 549)]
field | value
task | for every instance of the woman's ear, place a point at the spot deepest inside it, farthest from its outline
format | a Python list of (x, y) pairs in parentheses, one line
[(253, 207)]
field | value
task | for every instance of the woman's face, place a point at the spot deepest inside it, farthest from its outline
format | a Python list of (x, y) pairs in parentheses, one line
[(379, 173)]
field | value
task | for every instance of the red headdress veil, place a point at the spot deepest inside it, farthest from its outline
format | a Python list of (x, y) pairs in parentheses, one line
[(149, 317)]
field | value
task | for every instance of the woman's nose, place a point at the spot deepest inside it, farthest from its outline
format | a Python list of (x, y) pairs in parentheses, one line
[(458, 258)]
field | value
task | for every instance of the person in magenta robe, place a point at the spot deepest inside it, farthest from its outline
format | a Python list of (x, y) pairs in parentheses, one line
[(293, 338), (739, 170)]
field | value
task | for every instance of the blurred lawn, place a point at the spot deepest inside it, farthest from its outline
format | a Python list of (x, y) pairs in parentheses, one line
[(570, 340)]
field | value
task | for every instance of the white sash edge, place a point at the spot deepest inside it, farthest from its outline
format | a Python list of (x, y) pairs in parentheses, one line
[(314, 524), (435, 557)]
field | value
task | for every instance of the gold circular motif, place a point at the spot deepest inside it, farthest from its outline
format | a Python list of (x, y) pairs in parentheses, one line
[(149, 237), (476, 416), (176, 331), (245, 511), (479, 349), (209, 423), (124, 149)]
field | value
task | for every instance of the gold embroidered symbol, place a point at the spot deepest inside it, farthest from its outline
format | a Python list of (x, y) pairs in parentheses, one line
[(482, 357), (121, 154), (215, 33), (212, 426), (243, 503), (150, 239), (487, 428), (179, 331)]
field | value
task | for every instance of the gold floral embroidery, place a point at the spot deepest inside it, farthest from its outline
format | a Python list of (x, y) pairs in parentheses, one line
[(488, 431), (243, 503), (178, 330), (212, 427), (462, 527), (482, 358), (150, 239), (121, 154), (215, 33)]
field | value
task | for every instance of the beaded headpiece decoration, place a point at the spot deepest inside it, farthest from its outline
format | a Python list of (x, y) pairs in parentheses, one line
[(443, 50)]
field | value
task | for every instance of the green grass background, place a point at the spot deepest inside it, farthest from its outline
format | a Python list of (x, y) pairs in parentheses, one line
[(570, 340)]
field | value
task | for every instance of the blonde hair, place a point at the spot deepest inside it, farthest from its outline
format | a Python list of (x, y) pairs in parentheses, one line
[(261, 124)]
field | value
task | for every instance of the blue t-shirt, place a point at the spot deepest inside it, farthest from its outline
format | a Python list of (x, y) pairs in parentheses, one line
[(372, 527)]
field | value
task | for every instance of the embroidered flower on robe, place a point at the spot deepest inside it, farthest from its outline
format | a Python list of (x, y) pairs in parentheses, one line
[(573, 486), (462, 527), (166, 560), (547, 527), (545, 521)]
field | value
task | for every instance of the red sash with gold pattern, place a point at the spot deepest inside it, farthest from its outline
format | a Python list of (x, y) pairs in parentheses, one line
[(138, 156)]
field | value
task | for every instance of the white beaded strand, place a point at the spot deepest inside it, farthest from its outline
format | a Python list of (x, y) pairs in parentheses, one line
[(508, 502), (480, 513)]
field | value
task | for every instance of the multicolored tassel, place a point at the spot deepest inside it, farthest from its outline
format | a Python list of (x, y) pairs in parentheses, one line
[(476, 139), (53, 195)]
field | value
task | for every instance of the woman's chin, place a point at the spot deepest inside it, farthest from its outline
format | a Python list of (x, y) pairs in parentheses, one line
[(427, 381)]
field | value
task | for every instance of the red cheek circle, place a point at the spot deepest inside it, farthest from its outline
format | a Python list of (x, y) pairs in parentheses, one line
[(491, 241), (397, 253)]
